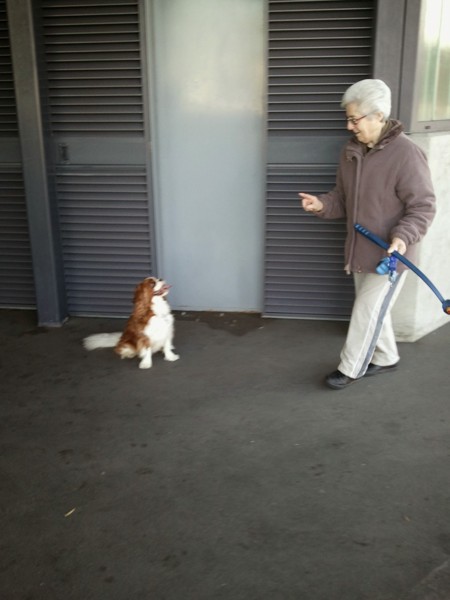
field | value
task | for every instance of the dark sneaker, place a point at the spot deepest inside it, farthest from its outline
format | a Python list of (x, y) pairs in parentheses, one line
[(377, 369), (337, 380)]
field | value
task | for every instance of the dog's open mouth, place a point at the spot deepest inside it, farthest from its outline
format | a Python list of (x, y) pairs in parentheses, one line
[(163, 290)]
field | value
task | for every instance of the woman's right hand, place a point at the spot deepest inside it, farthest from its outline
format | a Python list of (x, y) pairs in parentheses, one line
[(310, 203)]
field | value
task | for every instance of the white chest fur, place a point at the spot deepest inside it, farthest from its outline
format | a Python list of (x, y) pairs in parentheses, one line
[(160, 327)]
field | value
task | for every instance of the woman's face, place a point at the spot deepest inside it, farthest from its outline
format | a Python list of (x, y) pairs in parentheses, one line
[(366, 127)]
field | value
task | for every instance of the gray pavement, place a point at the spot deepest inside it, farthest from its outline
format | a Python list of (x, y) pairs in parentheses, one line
[(232, 474)]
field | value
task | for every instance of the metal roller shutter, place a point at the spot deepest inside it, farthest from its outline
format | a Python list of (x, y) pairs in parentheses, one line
[(316, 49), (105, 237), (100, 136), (16, 270)]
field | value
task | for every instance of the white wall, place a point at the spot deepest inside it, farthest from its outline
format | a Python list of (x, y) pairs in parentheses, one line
[(208, 146), (418, 311)]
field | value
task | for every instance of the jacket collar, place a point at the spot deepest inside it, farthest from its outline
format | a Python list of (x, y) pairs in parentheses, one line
[(391, 131)]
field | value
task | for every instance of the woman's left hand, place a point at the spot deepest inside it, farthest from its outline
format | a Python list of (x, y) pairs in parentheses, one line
[(397, 245)]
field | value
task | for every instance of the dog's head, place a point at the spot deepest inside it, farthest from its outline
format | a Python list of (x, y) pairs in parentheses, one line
[(147, 289)]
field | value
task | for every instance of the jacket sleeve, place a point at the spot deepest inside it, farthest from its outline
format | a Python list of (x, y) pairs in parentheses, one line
[(333, 201), (415, 190)]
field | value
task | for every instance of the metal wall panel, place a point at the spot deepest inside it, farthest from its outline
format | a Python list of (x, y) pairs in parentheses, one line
[(316, 49), (210, 142)]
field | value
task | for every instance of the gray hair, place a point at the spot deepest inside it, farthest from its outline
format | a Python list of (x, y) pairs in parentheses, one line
[(369, 95)]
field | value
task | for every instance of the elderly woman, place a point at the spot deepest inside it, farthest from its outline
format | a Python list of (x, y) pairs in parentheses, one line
[(383, 182)]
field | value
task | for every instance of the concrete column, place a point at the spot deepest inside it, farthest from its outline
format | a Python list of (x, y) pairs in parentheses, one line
[(418, 311)]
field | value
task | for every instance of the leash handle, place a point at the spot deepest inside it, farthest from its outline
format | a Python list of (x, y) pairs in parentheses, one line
[(377, 240)]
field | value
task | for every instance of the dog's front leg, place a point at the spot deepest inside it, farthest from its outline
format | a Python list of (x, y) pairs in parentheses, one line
[(169, 353), (146, 358)]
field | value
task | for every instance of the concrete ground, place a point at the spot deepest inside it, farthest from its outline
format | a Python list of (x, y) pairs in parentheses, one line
[(232, 474)]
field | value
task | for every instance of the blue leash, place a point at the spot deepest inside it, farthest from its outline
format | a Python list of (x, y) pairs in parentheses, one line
[(377, 240)]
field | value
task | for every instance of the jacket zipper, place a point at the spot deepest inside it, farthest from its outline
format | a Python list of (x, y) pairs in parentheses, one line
[(359, 160)]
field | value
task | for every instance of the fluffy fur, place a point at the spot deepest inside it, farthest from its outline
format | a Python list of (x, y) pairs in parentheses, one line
[(149, 329)]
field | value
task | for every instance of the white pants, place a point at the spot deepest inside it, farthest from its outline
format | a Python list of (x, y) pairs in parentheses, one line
[(370, 336)]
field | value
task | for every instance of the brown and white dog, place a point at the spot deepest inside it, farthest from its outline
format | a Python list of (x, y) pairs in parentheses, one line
[(149, 329)]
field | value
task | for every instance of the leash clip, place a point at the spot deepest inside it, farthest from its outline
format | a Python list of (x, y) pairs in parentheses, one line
[(388, 266)]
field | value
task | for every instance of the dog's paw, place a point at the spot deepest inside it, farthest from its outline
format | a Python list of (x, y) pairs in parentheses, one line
[(145, 364), (171, 357)]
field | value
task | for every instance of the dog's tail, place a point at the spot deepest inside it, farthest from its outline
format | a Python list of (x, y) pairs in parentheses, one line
[(101, 340)]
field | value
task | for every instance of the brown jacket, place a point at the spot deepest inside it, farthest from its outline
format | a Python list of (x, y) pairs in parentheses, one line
[(386, 189)]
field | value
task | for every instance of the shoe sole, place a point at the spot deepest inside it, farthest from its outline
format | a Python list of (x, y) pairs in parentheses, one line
[(381, 371), (339, 387)]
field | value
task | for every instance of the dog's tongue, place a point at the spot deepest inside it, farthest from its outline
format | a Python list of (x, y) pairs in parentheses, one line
[(163, 290)]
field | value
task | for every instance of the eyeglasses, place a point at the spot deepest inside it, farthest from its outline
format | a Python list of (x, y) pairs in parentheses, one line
[(354, 121)]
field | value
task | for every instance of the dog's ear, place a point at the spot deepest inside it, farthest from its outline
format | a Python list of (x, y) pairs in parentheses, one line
[(143, 293), (137, 292)]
